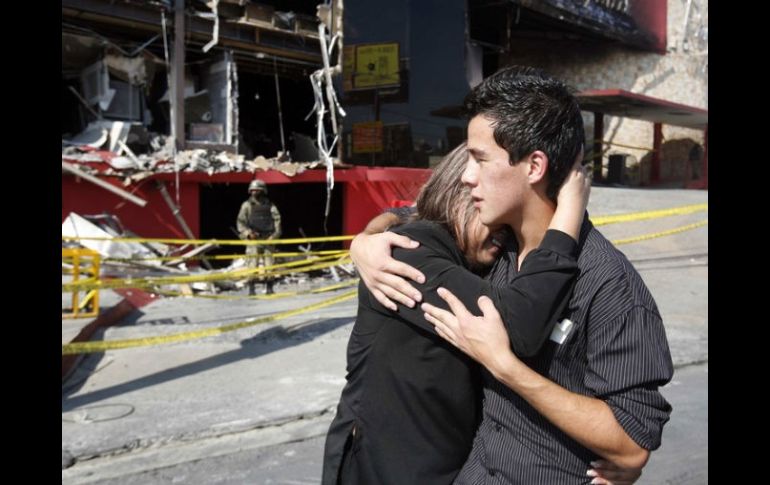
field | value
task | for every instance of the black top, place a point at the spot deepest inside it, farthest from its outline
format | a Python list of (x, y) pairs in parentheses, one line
[(412, 398), (615, 351)]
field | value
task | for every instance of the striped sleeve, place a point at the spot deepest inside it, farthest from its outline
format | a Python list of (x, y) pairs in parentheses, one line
[(628, 360)]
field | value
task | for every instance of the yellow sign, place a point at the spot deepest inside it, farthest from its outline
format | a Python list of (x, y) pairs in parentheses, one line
[(377, 65), (367, 137)]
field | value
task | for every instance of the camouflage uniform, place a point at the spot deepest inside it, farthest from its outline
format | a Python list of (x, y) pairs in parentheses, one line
[(259, 219)]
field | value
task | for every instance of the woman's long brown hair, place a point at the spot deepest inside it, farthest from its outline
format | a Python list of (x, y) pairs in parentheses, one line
[(444, 198)]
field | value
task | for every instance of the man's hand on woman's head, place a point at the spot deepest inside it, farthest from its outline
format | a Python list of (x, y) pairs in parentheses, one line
[(577, 186), (386, 277), (572, 200)]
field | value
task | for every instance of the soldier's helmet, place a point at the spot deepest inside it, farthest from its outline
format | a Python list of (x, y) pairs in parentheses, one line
[(258, 185)]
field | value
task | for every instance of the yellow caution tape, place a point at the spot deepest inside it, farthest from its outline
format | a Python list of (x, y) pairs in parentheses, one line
[(274, 296), (644, 237), (597, 221), (296, 266), (339, 261), (91, 347), (221, 242), (640, 216), (230, 256), (316, 263)]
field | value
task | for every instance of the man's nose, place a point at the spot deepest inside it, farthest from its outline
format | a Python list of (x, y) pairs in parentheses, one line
[(470, 174)]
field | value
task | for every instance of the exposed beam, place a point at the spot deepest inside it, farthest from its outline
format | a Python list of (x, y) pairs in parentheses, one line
[(177, 75), (68, 167), (135, 17)]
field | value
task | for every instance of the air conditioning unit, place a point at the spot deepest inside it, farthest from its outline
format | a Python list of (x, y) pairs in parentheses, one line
[(95, 83), (127, 102)]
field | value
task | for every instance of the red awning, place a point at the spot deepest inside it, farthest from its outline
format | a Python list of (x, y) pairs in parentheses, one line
[(617, 102)]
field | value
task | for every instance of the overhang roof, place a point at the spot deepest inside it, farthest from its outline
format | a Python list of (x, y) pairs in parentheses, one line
[(618, 102)]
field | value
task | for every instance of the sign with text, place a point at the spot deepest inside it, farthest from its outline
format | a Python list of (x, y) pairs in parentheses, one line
[(377, 65)]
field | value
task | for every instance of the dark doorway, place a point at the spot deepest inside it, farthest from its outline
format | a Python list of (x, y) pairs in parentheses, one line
[(301, 206)]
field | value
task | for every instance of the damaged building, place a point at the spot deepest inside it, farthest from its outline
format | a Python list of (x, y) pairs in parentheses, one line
[(171, 107), (182, 103)]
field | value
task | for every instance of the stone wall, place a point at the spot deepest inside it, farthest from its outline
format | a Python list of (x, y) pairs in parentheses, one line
[(680, 76)]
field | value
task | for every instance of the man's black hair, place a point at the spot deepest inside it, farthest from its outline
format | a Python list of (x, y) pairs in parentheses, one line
[(530, 111)]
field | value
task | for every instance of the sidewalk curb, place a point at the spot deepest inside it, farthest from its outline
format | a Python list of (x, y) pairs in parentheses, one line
[(161, 453)]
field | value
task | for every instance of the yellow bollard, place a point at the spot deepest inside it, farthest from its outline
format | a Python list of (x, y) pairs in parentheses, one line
[(85, 263)]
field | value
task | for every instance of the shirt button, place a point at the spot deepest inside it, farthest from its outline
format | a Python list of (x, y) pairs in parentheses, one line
[(498, 428), (491, 473)]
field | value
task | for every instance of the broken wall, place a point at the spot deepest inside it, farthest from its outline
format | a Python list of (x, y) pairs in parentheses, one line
[(153, 220)]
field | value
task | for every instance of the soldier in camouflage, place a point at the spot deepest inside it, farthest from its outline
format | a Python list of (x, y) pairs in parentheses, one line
[(259, 219)]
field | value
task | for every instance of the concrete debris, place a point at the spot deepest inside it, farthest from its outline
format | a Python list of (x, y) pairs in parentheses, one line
[(290, 169), (259, 163), (107, 227), (124, 162), (108, 142), (118, 134), (162, 147), (78, 226), (109, 135), (132, 179), (235, 162), (200, 286), (196, 251), (239, 263), (75, 154), (127, 150), (94, 136), (132, 70)]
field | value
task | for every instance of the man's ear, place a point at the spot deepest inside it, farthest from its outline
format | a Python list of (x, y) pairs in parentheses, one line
[(537, 166)]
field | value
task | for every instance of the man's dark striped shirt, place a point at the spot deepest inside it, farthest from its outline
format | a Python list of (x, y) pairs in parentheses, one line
[(616, 351)]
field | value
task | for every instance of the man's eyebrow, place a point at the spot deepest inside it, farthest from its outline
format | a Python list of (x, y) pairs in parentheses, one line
[(477, 152)]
